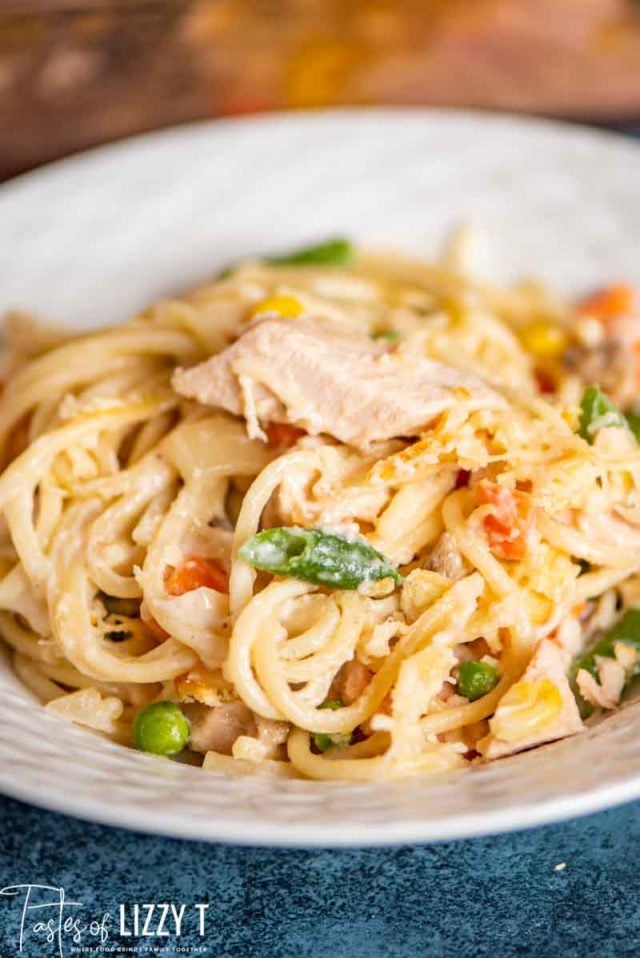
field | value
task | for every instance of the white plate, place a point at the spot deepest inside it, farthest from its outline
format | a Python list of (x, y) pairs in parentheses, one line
[(89, 240)]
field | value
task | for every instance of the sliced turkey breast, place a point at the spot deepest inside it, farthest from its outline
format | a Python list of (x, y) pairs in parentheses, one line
[(314, 375)]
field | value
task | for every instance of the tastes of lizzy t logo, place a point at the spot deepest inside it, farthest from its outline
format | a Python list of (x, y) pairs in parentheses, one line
[(49, 923)]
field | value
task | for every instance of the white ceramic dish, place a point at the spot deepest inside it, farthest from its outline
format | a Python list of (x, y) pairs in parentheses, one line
[(90, 240)]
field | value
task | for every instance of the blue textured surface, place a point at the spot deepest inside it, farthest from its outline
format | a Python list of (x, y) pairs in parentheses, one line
[(485, 898)]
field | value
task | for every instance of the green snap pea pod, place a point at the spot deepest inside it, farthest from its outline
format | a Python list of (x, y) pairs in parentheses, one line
[(312, 555), (627, 631), (597, 411), (633, 421), (476, 678), (334, 252), (161, 729), (324, 742)]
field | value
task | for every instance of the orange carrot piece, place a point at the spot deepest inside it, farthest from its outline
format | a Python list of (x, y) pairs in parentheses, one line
[(282, 435), (609, 302), (194, 573), (506, 526)]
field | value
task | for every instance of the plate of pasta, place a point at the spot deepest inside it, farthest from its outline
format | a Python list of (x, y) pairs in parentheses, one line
[(320, 488)]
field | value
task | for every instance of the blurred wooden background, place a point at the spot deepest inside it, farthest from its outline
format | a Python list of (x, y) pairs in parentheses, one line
[(78, 72)]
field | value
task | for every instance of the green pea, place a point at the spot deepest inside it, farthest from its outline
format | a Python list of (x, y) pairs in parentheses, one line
[(161, 728), (323, 741), (338, 740), (476, 678)]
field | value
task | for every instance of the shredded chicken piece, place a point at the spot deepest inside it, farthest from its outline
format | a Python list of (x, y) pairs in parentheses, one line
[(606, 693), (350, 682), (446, 559), (313, 375), (626, 655), (216, 729)]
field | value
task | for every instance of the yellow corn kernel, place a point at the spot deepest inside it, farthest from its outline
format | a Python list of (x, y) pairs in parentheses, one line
[(543, 340), (287, 306), (525, 709)]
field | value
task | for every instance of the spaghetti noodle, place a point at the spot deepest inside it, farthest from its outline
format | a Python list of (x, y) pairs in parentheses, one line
[(375, 566)]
